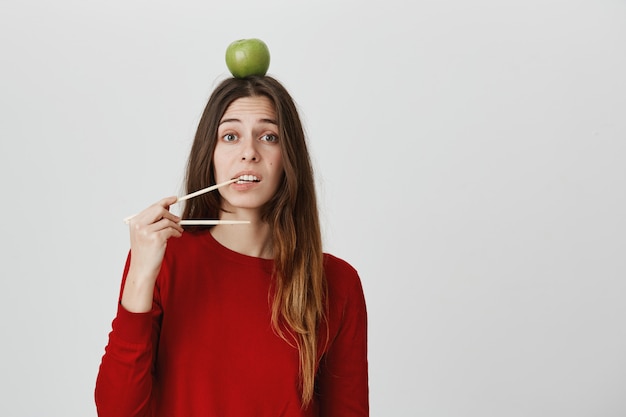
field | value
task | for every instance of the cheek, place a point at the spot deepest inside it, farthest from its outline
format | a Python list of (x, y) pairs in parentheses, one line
[(222, 154), (219, 164), (277, 161)]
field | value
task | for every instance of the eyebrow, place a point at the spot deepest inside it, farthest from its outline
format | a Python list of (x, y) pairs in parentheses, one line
[(270, 121)]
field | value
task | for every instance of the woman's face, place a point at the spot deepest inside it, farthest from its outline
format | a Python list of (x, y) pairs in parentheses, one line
[(248, 147)]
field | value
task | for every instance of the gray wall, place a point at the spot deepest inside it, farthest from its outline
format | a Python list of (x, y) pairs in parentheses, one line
[(470, 161)]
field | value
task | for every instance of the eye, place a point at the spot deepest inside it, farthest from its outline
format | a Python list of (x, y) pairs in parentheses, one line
[(229, 137), (269, 137)]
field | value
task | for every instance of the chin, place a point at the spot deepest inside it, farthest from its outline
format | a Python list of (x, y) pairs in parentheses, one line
[(236, 206)]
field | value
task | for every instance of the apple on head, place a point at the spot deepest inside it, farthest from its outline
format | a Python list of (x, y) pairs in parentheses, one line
[(245, 57)]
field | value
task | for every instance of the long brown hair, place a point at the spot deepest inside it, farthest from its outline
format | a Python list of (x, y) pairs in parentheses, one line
[(299, 287)]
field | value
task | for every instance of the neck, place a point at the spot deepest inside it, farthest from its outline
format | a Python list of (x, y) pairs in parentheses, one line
[(252, 239)]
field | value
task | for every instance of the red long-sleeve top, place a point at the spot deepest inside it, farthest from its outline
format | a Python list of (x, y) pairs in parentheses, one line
[(207, 348)]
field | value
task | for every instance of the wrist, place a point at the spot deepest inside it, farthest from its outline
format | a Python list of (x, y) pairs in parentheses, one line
[(138, 292)]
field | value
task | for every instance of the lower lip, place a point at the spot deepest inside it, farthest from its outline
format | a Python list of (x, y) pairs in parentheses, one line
[(243, 186)]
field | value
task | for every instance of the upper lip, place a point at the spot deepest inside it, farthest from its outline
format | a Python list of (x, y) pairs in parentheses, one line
[(239, 174)]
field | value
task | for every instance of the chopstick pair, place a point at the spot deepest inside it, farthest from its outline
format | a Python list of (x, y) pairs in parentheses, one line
[(198, 222)]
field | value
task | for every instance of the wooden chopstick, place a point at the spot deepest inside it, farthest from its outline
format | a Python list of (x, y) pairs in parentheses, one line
[(206, 190), (195, 194)]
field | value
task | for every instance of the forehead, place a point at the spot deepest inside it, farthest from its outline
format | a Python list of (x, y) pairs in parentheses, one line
[(258, 107)]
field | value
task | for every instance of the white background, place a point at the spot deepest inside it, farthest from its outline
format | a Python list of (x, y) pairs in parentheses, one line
[(470, 158)]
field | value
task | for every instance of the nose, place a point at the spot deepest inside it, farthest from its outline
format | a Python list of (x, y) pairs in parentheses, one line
[(249, 151)]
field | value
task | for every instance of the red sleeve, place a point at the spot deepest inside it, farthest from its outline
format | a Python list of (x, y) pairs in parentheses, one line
[(124, 382), (343, 378)]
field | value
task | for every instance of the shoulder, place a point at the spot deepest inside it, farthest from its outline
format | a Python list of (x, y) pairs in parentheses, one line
[(185, 251), (341, 277), (337, 266), (346, 304), (189, 241)]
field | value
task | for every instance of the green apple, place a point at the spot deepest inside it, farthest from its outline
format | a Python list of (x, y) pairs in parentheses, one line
[(246, 57)]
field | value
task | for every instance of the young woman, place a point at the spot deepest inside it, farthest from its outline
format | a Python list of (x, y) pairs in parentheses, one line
[(238, 320)]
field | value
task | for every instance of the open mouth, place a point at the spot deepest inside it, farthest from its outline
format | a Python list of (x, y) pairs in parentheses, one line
[(245, 179)]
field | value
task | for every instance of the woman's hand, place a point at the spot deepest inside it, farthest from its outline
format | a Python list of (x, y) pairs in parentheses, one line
[(149, 233)]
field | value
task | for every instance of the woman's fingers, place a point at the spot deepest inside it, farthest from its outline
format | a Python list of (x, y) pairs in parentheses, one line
[(167, 226), (149, 233), (156, 212), (154, 225)]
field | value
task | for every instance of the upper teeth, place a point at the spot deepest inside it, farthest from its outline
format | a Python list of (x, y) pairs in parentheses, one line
[(248, 178)]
